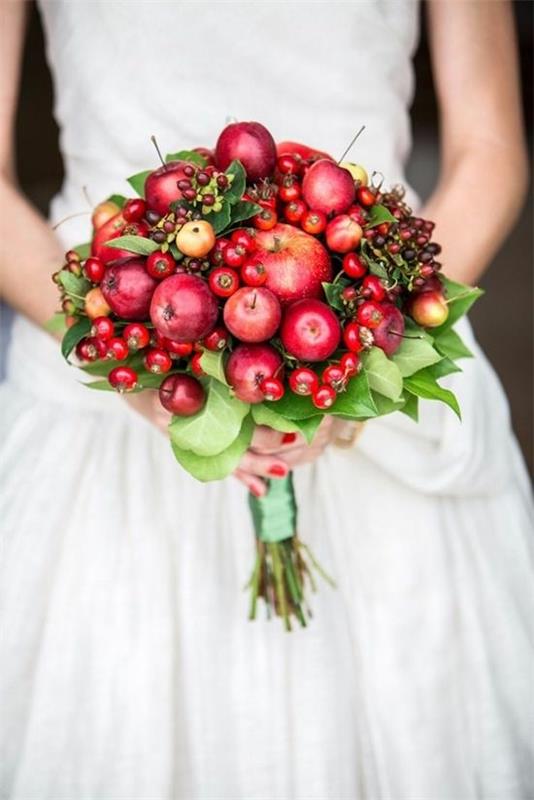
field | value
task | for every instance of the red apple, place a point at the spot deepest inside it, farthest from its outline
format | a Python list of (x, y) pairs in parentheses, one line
[(111, 229), (302, 150), (429, 309), (183, 308), (252, 314), (295, 262), (248, 366), (388, 333), (161, 186), (343, 234), (310, 330), (328, 188), (128, 288), (250, 143), (182, 395)]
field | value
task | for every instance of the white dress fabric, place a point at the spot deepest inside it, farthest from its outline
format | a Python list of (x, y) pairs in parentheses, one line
[(129, 669)]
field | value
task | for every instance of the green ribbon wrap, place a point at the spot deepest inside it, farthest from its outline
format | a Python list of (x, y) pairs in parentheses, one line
[(275, 514)]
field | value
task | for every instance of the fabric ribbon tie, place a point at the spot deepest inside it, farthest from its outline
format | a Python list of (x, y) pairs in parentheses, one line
[(275, 514)]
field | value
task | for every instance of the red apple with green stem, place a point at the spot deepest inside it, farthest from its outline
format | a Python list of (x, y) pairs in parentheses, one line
[(128, 288), (161, 186), (111, 229), (328, 188), (388, 333), (310, 330), (429, 309), (247, 367), (295, 262), (252, 145), (252, 314), (183, 308)]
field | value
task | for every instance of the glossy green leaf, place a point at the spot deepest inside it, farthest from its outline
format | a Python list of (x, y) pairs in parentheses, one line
[(214, 468), (411, 406), (377, 215), (386, 406), (413, 355), (460, 298), (383, 375), (118, 199), (267, 415), (134, 244), (186, 155), (213, 365), (73, 284), (137, 182), (215, 427), (220, 220), (356, 402), (333, 295), (74, 335), (237, 187), (243, 210), (423, 384), (450, 344)]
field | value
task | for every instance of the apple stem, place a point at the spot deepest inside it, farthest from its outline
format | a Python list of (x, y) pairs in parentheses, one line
[(158, 151), (87, 196), (277, 244), (351, 144), (254, 298), (405, 335)]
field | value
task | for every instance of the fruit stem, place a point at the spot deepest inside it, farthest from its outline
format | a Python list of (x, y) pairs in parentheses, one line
[(254, 298), (87, 196), (351, 144), (158, 151), (277, 244)]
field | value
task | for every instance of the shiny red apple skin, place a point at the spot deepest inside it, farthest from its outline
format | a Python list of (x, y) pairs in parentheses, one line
[(328, 188), (429, 309), (183, 308), (252, 314), (303, 150), (343, 234), (247, 366), (310, 330), (295, 262), (388, 333), (182, 395), (128, 288), (111, 229), (252, 145), (161, 186)]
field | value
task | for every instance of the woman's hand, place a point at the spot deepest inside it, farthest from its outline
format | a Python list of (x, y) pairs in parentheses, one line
[(271, 454)]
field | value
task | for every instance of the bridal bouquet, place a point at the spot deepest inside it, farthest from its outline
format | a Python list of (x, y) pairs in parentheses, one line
[(262, 284)]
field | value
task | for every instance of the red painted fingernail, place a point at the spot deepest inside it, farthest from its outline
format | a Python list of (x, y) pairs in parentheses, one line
[(278, 471), (289, 438)]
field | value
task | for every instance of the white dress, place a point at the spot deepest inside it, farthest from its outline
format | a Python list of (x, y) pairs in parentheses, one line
[(129, 669)]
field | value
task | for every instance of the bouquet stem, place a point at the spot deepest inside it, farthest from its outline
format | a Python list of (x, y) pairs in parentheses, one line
[(284, 566)]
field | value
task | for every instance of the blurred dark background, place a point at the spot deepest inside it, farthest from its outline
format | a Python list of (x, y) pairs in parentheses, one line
[(502, 320)]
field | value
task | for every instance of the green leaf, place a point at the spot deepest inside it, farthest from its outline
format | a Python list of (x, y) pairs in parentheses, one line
[(423, 384), (411, 406), (243, 210), (333, 295), (308, 427), (383, 375), (83, 250), (294, 407), (215, 427), (213, 365), (377, 215), (215, 468), (74, 335), (118, 199), (376, 269), (134, 244), (73, 284), (386, 406), (266, 415), (137, 182), (56, 323), (186, 155), (444, 367), (237, 187), (356, 401), (460, 298), (145, 380), (220, 220), (413, 355), (450, 344), (411, 328)]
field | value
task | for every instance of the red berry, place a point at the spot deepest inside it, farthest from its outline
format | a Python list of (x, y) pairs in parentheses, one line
[(383, 228), (94, 269), (102, 328), (349, 293), (373, 288), (158, 361), (160, 265), (233, 255), (351, 337), (288, 165), (217, 339), (366, 196), (216, 255), (137, 229), (195, 364), (295, 210), (137, 335), (272, 388), (334, 376), (289, 191), (123, 379), (351, 364), (324, 397), (91, 349), (223, 281), (134, 210), (313, 222), (245, 239), (369, 314), (181, 349), (353, 266), (358, 215), (117, 349), (303, 381), (265, 220), (253, 272)]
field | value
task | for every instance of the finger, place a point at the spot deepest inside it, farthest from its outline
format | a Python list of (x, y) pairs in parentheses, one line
[(252, 482), (263, 465), (267, 441)]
